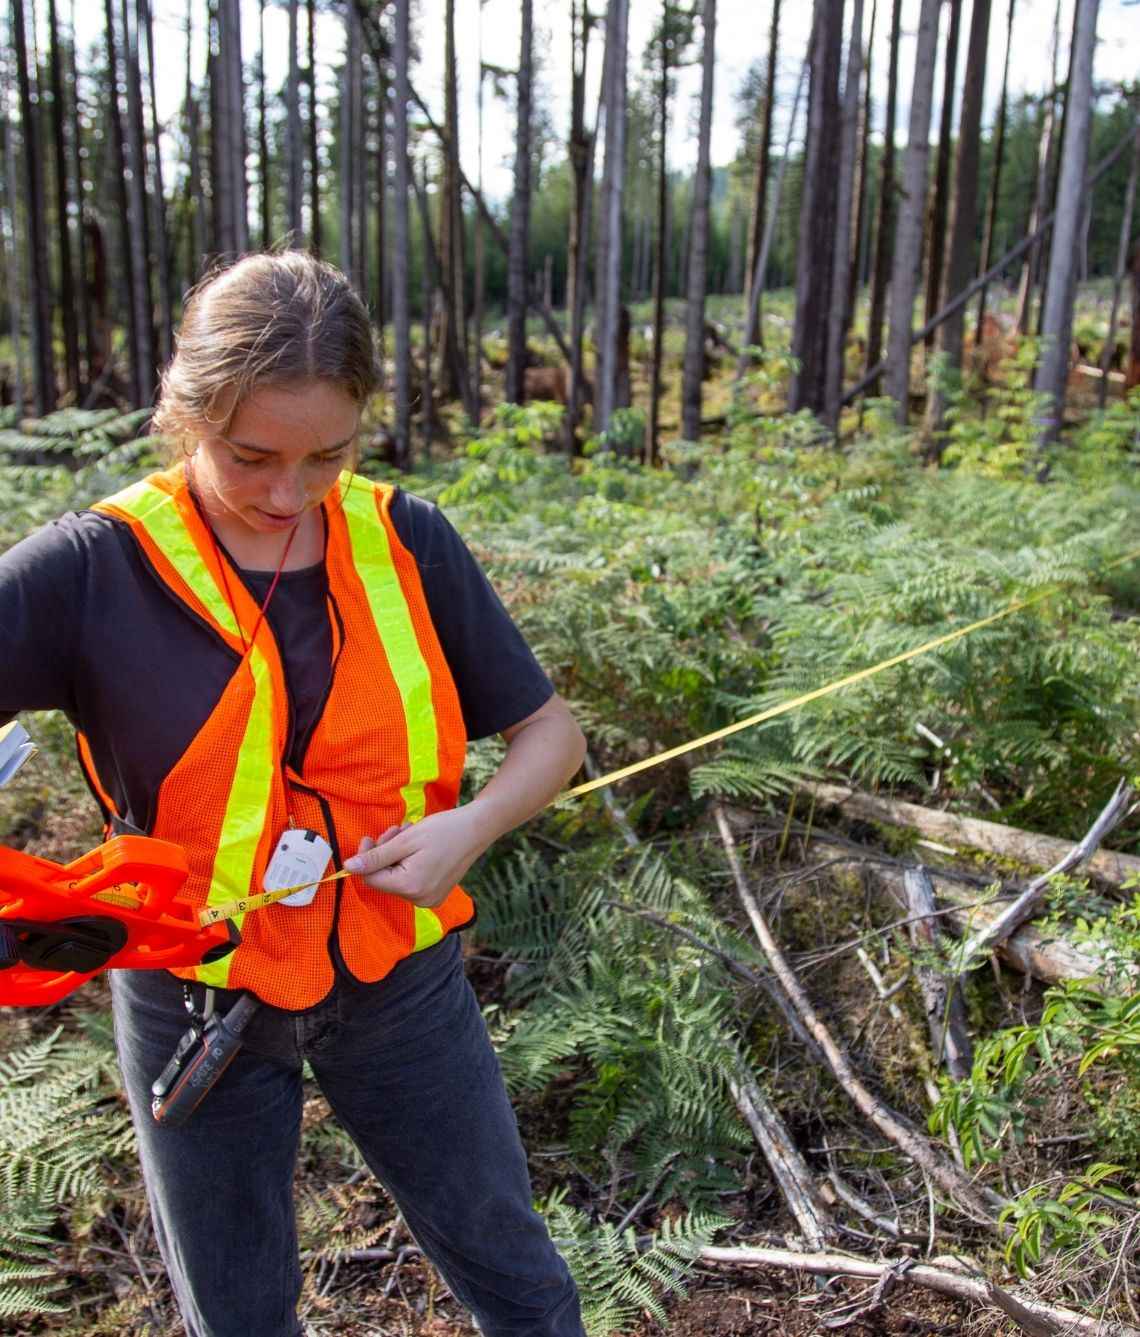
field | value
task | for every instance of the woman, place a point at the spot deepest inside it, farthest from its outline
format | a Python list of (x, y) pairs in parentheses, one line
[(260, 650)]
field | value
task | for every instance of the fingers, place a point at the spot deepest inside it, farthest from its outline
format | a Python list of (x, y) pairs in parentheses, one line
[(373, 855)]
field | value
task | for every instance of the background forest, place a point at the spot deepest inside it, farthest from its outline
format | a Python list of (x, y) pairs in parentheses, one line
[(826, 1023)]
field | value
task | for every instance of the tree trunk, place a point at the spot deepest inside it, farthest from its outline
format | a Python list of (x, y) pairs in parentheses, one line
[(773, 212), (197, 228), (428, 292), (1060, 287), (859, 207), (607, 281), (1055, 170), (995, 180), (262, 131), (1132, 377), (39, 274), (959, 264), (817, 211), (62, 209), (753, 327), (699, 240), (1107, 352), (659, 267), (401, 311), (381, 254), (517, 272), (230, 131), (158, 211), (81, 274), (475, 366), (314, 151), (581, 153), (1029, 269), (908, 234), (885, 227), (137, 205), (119, 173), (15, 266), (940, 199), (841, 272), (453, 332), (293, 150)]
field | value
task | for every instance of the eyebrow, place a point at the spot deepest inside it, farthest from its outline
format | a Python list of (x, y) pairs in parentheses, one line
[(263, 450)]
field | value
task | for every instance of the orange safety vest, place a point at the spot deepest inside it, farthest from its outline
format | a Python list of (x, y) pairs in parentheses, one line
[(389, 746)]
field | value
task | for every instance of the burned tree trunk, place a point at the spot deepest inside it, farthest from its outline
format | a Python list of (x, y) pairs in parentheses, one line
[(753, 327), (607, 282), (314, 150), (517, 268), (908, 234), (40, 296), (1060, 285), (841, 260), (62, 208), (885, 227), (401, 310), (940, 197), (817, 211), (995, 180), (699, 241)]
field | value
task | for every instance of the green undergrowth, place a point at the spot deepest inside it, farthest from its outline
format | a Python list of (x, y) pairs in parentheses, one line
[(670, 602)]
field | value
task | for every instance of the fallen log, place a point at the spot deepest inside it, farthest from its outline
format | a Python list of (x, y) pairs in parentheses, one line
[(975, 1201), (1035, 851), (1043, 955), (941, 993), (789, 1169), (1030, 1314)]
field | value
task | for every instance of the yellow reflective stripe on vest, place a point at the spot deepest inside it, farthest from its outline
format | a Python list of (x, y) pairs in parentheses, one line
[(428, 929), (372, 557), (248, 801), (246, 808), (157, 512)]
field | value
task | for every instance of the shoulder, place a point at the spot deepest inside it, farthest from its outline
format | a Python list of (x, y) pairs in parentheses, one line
[(425, 531), (78, 537)]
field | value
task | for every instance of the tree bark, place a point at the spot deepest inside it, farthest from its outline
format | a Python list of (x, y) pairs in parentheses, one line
[(454, 380), (158, 211), (908, 233), (138, 207), (753, 322), (607, 280), (1007, 842), (941, 993), (86, 328), (194, 199), (401, 310), (15, 261), (662, 206), (940, 198), (230, 131), (62, 208), (39, 274), (885, 227), (293, 150), (817, 212), (1108, 350), (841, 261), (581, 153), (315, 234), (263, 132), (1060, 287), (517, 267), (381, 255), (1132, 377), (1029, 269), (1031, 1314), (119, 172), (995, 180), (694, 366), (959, 263), (859, 207)]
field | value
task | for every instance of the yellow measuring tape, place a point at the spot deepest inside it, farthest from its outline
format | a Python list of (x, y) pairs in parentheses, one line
[(212, 915)]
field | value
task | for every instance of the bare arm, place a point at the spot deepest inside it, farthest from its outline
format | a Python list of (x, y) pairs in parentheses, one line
[(422, 862)]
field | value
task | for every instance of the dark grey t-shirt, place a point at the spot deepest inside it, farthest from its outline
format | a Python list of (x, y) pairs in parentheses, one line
[(87, 627)]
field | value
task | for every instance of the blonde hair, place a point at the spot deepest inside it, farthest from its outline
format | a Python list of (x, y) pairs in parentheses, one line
[(262, 320)]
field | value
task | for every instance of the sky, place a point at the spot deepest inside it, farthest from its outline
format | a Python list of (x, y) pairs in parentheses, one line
[(492, 28)]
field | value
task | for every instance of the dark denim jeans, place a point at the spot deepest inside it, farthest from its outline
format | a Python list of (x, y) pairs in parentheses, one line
[(409, 1071)]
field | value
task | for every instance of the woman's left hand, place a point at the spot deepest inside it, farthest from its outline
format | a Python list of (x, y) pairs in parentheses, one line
[(421, 861)]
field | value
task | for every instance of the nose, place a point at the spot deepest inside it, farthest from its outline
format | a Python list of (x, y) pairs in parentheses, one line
[(287, 495)]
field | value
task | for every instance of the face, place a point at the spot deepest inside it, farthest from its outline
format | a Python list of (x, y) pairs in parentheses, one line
[(277, 458)]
